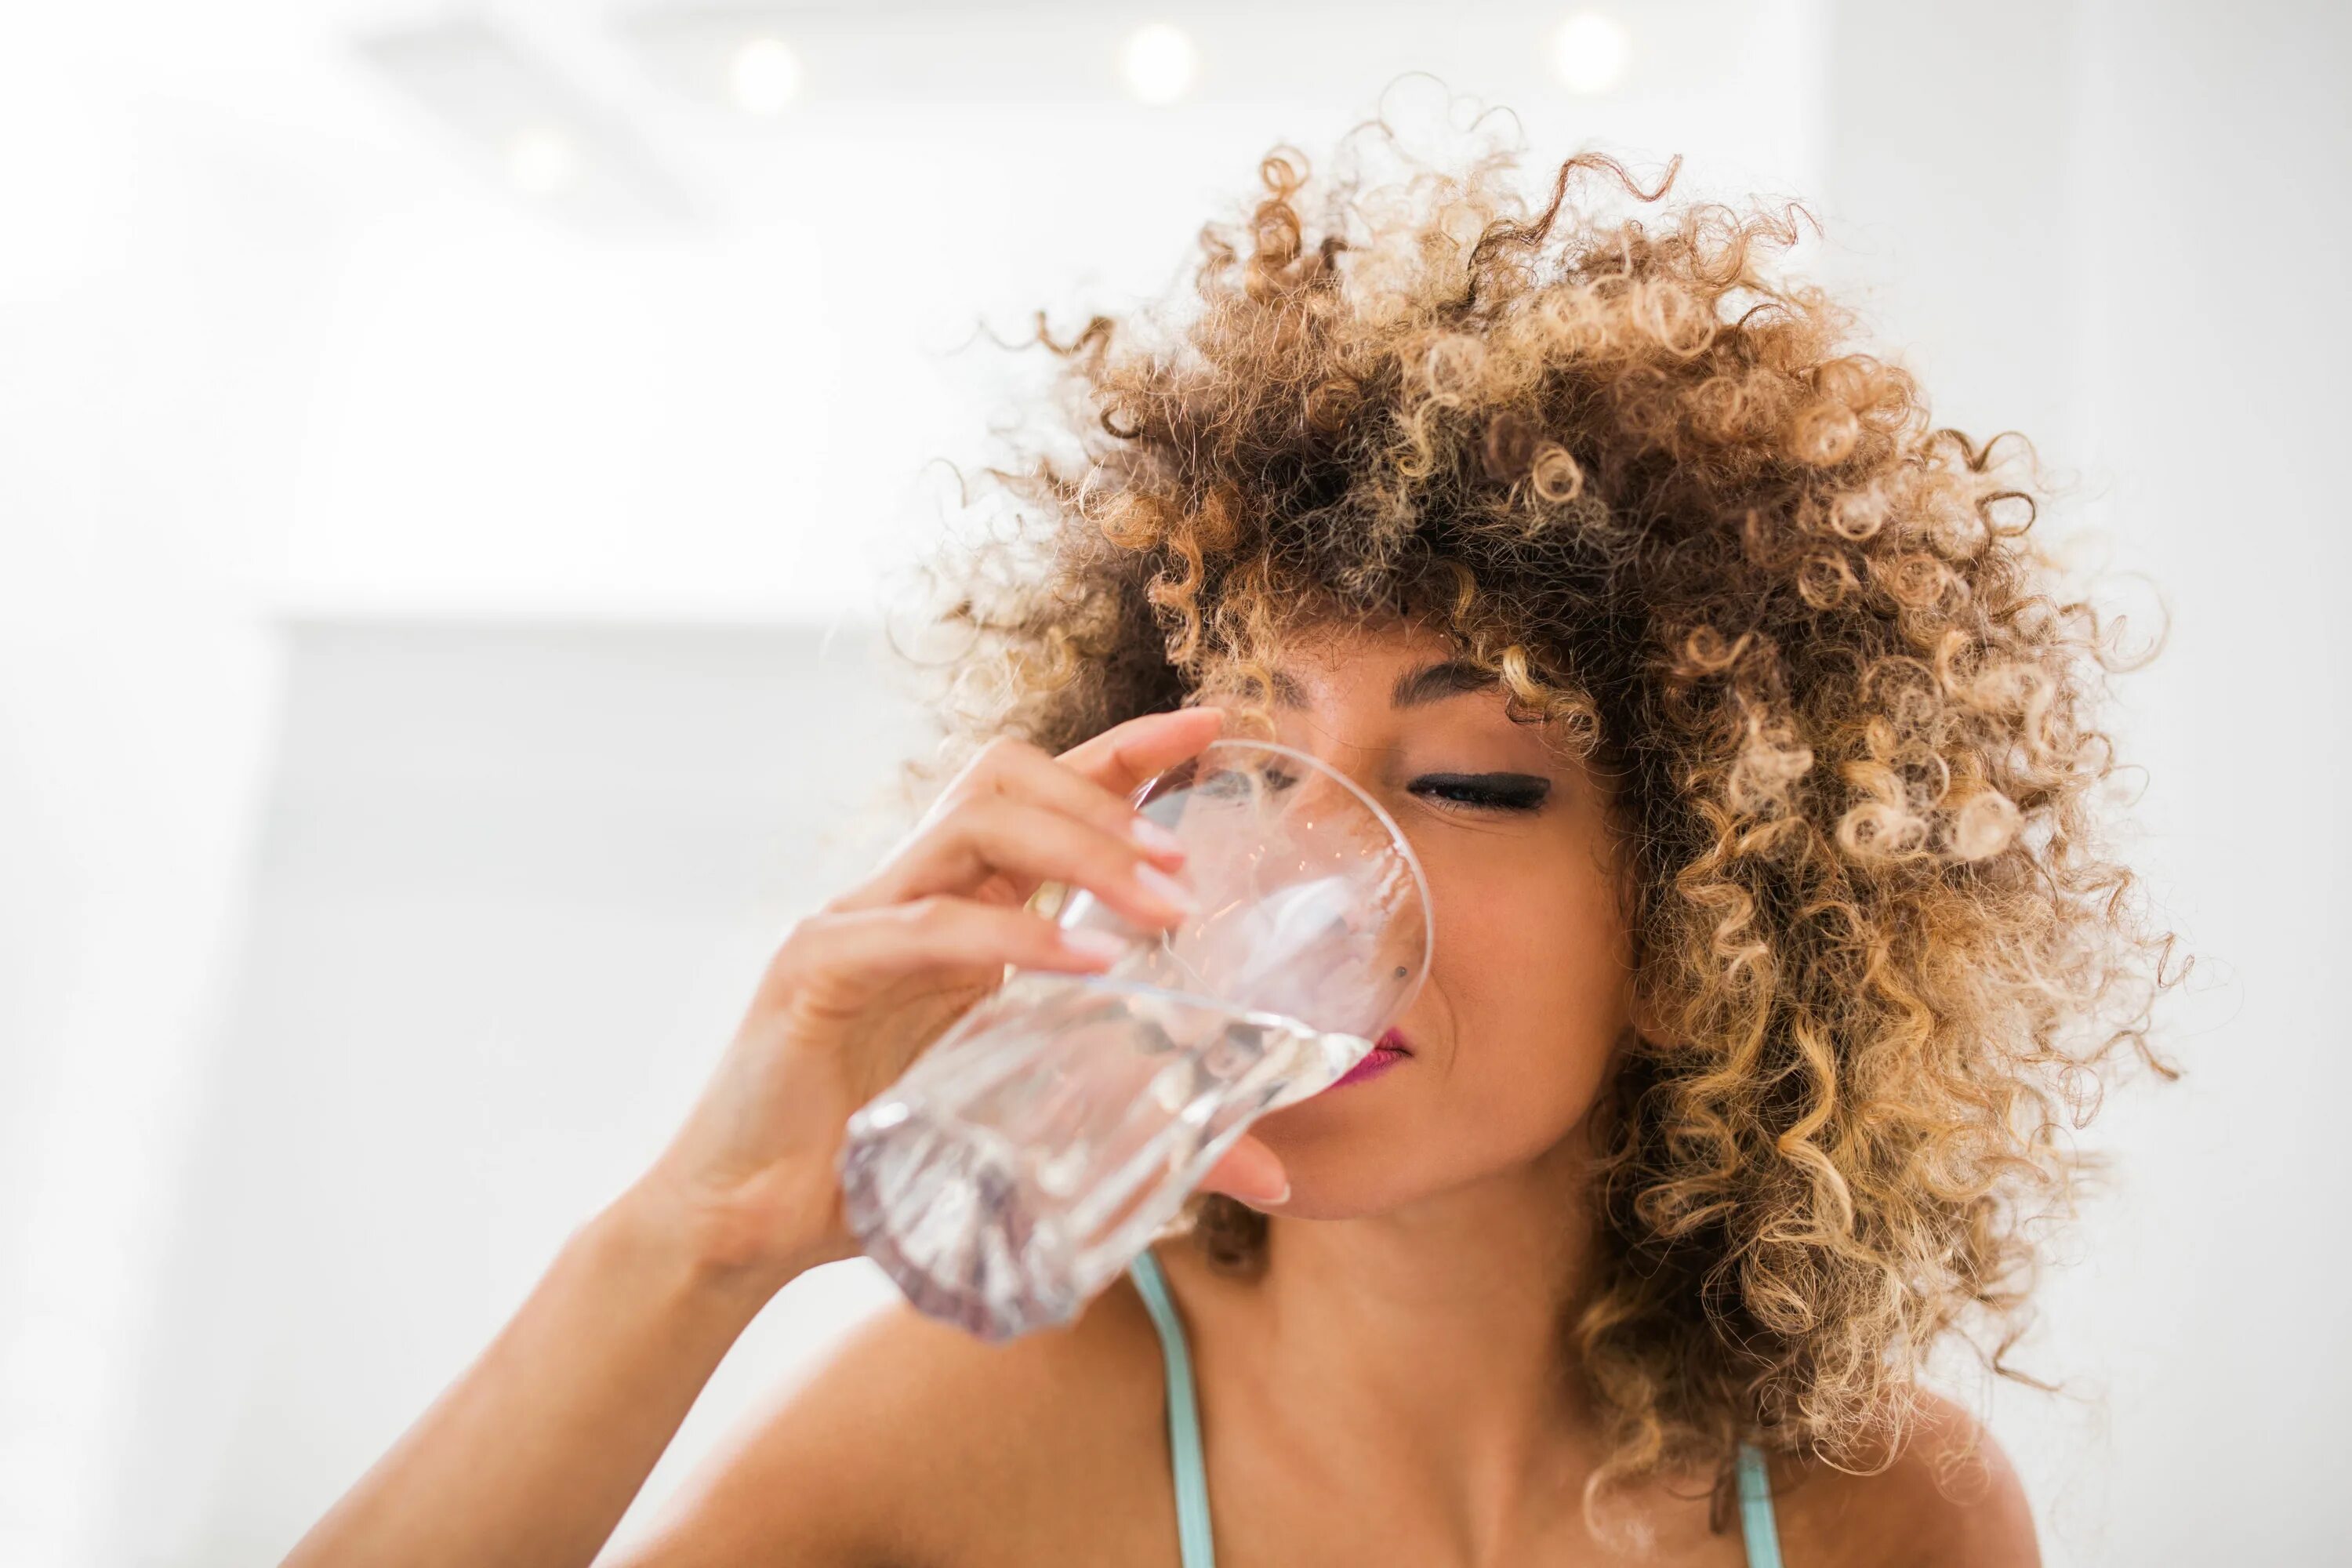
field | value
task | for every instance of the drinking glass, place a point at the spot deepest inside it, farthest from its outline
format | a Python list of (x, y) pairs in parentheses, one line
[(1025, 1159)]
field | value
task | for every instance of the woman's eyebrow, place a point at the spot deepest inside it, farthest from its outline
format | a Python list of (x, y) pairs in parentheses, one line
[(1430, 683), (1437, 683)]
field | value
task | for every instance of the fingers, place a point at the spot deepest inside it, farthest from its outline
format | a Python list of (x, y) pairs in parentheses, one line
[(965, 843), (1251, 1172), (1025, 772), (838, 960), (1125, 755), (1028, 844)]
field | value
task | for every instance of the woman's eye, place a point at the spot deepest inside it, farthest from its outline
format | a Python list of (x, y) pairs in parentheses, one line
[(1242, 783), (1484, 792)]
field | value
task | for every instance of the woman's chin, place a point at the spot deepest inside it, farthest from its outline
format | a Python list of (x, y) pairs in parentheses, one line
[(1299, 1206), (1333, 1196), (1341, 1164)]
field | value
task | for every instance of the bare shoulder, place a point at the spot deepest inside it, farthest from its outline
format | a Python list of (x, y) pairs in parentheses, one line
[(1949, 1500), (915, 1445)]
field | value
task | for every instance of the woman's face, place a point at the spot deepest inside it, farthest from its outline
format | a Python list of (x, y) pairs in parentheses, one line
[(1528, 987)]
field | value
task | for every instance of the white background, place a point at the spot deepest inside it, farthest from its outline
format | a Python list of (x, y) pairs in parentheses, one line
[(436, 644)]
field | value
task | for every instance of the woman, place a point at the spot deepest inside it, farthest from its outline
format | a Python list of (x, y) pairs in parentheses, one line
[(1749, 752)]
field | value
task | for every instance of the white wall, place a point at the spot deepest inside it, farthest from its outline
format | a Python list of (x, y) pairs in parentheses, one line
[(514, 885), (160, 284), (350, 504), (2216, 145), (2121, 228)]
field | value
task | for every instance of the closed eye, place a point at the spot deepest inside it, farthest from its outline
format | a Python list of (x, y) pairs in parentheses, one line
[(1484, 791), (1241, 783)]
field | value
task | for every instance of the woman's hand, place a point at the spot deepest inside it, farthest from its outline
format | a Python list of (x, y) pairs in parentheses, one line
[(859, 988)]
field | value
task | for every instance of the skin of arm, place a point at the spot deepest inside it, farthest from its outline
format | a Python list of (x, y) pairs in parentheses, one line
[(533, 1454)]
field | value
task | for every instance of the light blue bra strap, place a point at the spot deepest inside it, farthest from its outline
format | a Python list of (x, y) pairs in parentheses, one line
[(1183, 1416), (1758, 1528)]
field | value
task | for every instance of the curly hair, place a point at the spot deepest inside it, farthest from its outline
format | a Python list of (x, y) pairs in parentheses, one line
[(1848, 711)]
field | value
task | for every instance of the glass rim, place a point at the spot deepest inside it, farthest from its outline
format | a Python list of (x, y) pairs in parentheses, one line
[(1380, 813)]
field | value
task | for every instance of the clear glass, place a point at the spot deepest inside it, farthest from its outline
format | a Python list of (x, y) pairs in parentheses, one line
[(1037, 1146)]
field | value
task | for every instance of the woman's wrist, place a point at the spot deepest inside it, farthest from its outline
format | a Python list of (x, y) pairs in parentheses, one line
[(657, 1248), (712, 1251)]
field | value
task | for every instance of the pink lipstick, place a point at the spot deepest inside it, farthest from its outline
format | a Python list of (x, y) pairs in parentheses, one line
[(1386, 1052)]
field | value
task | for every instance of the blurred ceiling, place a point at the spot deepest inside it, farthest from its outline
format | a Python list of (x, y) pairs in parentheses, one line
[(663, 113)]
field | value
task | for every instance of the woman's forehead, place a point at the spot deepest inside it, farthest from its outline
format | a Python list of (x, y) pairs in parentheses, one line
[(1346, 651)]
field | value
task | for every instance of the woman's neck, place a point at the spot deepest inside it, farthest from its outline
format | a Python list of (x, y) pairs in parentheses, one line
[(1424, 1345)]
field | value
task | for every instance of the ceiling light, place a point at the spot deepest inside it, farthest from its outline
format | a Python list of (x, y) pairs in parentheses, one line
[(1590, 52), (538, 132), (763, 76), (541, 161), (1157, 63)]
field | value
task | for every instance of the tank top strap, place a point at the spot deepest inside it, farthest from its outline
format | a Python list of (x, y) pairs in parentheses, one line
[(1758, 1531), (1193, 1539)]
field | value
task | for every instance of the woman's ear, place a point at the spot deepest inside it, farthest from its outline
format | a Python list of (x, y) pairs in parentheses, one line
[(1645, 1019)]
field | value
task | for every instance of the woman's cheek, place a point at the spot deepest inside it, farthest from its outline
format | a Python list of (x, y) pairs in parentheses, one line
[(1537, 982)]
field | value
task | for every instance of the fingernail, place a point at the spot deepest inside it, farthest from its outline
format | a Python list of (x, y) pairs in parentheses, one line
[(1165, 888), (1283, 1196), (1094, 944), (1153, 836)]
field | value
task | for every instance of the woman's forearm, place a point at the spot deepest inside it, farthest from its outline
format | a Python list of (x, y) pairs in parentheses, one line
[(534, 1453)]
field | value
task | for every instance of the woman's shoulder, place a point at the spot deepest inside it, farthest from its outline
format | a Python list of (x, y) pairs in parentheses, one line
[(913, 1444), (1949, 1498)]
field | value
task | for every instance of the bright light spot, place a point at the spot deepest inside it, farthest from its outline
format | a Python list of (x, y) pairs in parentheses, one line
[(1590, 52), (1157, 62), (764, 76), (541, 161)]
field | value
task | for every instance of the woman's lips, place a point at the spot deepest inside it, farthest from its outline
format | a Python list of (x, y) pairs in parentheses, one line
[(1386, 1052)]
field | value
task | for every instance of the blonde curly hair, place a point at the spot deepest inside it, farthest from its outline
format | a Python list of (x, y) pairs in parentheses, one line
[(1848, 711)]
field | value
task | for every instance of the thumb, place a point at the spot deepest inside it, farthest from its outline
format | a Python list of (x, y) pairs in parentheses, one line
[(1250, 1171)]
